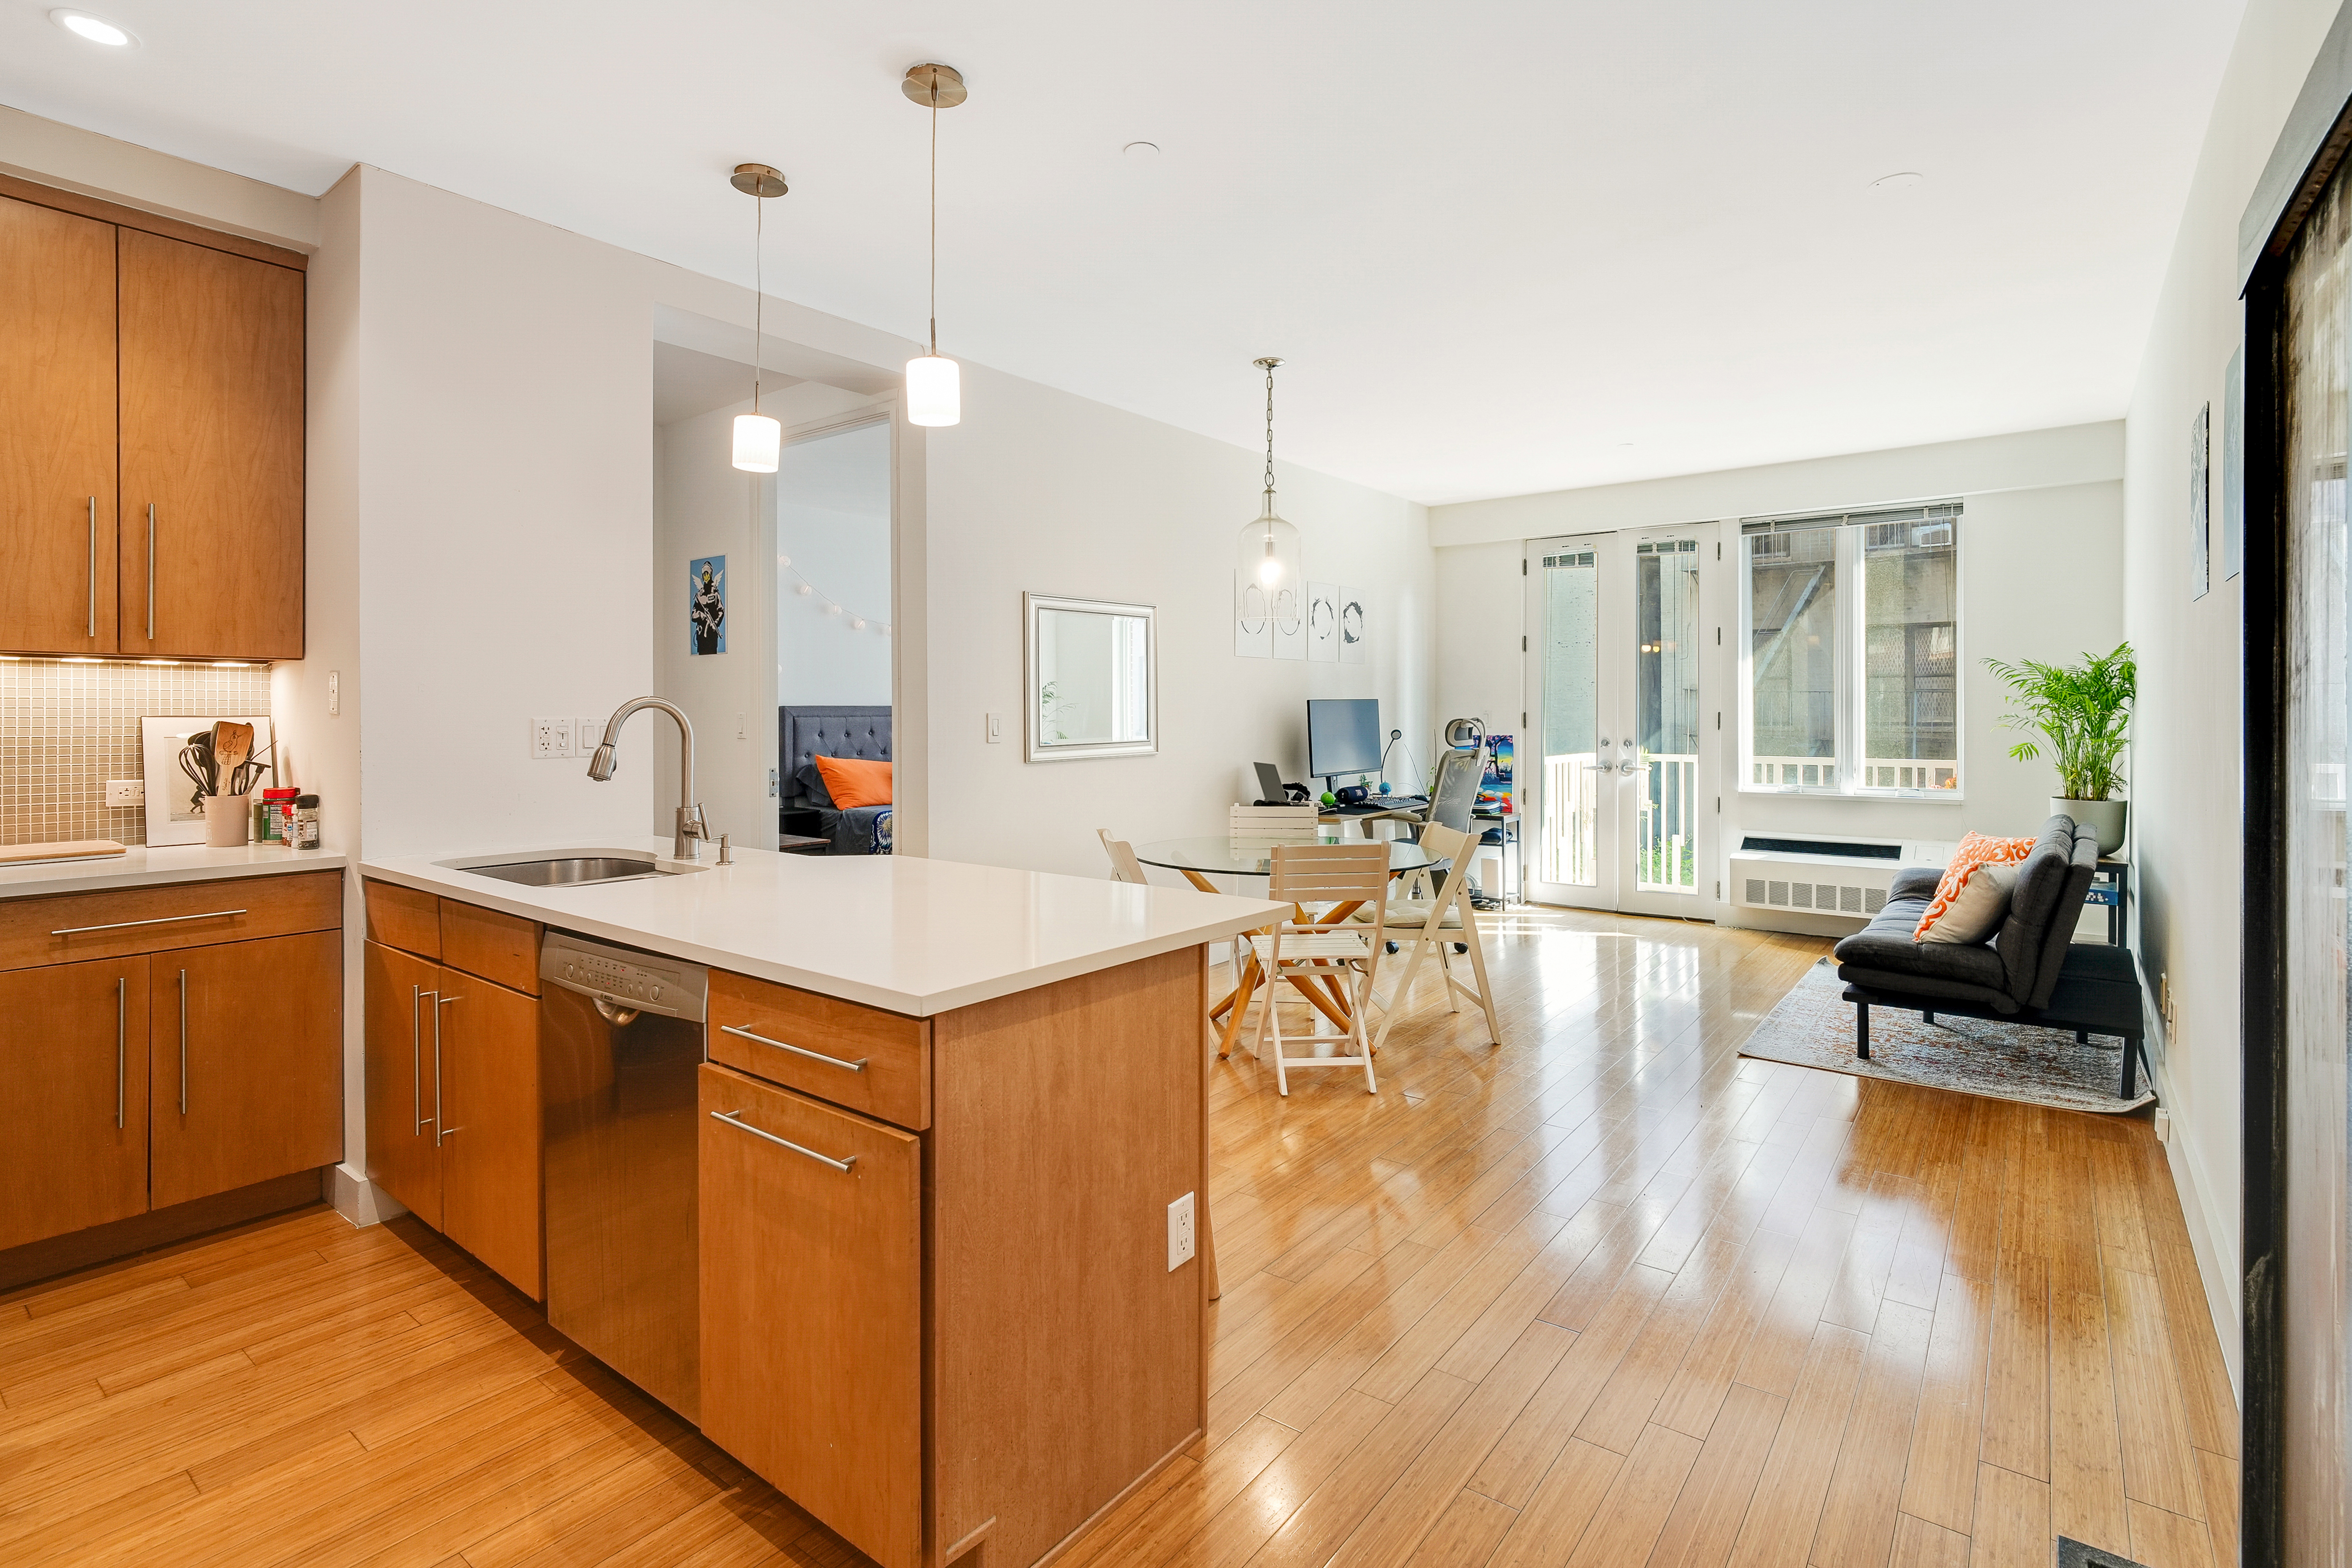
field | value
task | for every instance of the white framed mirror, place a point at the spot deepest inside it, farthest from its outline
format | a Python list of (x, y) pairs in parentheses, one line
[(1090, 674)]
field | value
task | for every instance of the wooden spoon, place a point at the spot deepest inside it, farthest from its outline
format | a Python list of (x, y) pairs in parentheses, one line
[(232, 744)]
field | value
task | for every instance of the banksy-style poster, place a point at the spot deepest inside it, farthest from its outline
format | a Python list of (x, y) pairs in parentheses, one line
[(706, 605)]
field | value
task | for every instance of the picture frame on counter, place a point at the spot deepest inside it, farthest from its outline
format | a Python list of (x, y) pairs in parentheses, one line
[(174, 813)]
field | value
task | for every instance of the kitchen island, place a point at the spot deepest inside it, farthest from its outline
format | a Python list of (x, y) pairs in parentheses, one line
[(950, 1127)]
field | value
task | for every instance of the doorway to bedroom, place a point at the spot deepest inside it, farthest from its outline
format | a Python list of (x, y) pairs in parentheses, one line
[(774, 596)]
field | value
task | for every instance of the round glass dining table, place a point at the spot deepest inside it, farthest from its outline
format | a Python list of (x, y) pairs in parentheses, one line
[(1201, 858), (1221, 857)]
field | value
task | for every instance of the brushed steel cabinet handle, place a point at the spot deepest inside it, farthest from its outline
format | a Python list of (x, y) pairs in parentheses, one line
[(121, 1016), (184, 1042), (93, 565), (417, 994), (858, 1066), (159, 920), (151, 570), (440, 1117), (728, 1117)]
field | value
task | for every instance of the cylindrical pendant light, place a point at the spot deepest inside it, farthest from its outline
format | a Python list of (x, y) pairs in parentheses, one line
[(1269, 559), (934, 383), (758, 440)]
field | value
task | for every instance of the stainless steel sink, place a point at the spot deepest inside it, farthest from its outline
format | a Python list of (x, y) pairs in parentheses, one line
[(569, 870)]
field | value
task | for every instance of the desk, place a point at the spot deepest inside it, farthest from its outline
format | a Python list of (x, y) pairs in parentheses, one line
[(1416, 814), (1198, 859)]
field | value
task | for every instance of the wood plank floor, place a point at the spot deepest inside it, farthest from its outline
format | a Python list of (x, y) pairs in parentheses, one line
[(1606, 1295)]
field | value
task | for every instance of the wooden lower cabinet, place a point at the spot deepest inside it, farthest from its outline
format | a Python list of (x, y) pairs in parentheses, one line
[(403, 1080), (491, 1147), (812, 1281), (73, 1097), (452, 1108), (245, 1043)]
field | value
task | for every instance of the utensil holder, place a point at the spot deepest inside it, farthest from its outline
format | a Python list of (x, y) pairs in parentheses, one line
[(228, 819)]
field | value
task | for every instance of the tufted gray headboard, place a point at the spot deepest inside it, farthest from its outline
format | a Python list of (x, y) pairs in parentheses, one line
[(828, 730)]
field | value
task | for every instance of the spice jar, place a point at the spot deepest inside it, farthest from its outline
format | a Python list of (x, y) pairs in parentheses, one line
[(306, 822), (274, 816)]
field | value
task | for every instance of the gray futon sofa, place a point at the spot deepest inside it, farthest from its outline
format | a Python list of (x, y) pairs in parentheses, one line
[(2031, 971)]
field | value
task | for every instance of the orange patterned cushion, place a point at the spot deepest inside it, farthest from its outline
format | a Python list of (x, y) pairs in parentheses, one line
[(1975, 850)]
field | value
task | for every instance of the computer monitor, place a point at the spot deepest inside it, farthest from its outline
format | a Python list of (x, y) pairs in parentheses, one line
[(1343, 736)]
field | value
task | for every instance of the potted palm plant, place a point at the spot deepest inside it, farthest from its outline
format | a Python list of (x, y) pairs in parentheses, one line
[(2083, 710)]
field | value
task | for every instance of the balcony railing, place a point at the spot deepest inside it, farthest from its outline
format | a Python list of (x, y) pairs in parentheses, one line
[(1877, 773), (1570, 820), (1665, 822)]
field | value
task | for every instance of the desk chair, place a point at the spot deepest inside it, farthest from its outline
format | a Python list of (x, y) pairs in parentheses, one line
[(1124, 866), (1309, 952), (1436, 926)]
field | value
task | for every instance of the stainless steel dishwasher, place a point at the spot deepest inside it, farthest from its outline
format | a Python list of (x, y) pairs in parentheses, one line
[(621, 1036)]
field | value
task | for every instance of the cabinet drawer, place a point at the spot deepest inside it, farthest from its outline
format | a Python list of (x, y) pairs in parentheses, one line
[(496, 946), (403, 917), (865, 1058), (155, 919), (811, 1307)]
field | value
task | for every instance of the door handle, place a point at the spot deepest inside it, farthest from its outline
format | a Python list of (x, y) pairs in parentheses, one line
[(151, 570), (184, 1042), (440, 1129), (121, 1016), (93, 565), (728, 1117)]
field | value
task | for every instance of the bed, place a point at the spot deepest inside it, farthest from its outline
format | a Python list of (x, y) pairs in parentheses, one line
[(807, 732)]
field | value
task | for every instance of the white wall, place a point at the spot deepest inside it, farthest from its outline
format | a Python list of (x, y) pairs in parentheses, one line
[(1043, 491), (2039, 544), (2188, 806)]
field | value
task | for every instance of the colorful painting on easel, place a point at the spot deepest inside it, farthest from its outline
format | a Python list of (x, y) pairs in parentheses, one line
[(1495, 788)]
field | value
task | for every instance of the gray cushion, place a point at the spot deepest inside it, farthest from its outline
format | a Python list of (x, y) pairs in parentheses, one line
[(1881, 956), (1915, 882)]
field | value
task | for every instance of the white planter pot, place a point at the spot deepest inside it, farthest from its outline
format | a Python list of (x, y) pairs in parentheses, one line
[(2104, 817)]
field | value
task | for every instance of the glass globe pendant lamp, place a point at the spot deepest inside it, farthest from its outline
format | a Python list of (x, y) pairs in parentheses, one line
[(759, 439), (1269, 561)]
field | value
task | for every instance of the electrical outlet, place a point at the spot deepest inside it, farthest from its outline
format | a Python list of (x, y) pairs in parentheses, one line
[(542, 737), (2163, 1125), (1181, 1245), (126, 792), (995, 728)]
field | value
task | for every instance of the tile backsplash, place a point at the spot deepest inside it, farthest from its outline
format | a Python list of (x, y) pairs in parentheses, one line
[(66, 728)]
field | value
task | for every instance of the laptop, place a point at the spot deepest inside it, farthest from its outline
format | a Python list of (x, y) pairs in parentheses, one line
[(1269, 782)]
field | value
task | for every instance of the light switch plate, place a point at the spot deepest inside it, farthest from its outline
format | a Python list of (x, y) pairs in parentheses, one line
[(586, 731), (126, 792), (1181, 1234), (995, 728)]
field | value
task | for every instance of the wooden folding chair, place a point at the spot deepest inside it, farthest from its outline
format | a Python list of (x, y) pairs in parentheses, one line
[(1345, 953), (1436, 925)]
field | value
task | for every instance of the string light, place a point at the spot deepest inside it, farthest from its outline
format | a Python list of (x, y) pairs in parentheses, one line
[(833, 606)]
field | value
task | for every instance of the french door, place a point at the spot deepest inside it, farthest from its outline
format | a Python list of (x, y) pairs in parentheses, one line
[(1619, 754)]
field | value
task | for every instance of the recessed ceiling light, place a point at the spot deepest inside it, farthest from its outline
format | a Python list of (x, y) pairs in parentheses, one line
[(97, 29), (1889, 184), (1142, 149)]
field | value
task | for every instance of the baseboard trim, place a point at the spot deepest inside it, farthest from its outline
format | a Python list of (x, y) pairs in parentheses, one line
[(47, 1258), (2195, 1193), (356, 1198)]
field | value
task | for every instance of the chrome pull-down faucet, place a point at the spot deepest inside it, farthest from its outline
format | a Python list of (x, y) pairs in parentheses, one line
[(691, 829)]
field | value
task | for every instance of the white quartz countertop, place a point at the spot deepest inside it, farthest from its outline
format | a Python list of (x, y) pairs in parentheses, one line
[(142, 867), (898, 932)]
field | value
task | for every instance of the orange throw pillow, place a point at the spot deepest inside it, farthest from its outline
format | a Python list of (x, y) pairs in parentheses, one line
[(852, 782), (1975, 850)]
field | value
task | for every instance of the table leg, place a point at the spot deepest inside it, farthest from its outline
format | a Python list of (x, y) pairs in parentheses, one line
[(1241, 1001)]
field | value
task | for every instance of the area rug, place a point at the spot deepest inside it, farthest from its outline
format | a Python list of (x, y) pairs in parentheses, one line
[(1813, 1027)]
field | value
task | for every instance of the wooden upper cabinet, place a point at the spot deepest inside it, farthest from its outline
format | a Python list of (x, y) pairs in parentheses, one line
[(247, 1047), (211, 368), (73, 1093), (57, 432)]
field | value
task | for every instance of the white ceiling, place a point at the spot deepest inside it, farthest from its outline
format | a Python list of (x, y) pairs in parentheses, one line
[(1508, 247)]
